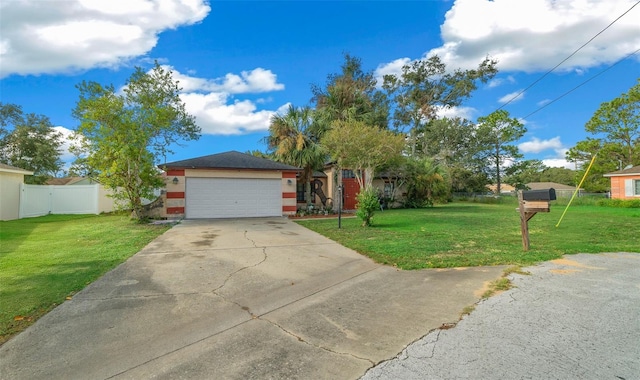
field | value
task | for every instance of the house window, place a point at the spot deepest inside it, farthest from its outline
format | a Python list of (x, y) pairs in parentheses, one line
[(388, 189), (346, 173), (301, 191), (636, 187)]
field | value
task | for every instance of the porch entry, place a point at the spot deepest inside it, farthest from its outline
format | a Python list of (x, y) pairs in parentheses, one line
[(351, 188)]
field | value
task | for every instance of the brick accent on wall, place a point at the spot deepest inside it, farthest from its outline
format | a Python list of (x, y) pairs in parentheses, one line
[(288, 175), (175, 172)]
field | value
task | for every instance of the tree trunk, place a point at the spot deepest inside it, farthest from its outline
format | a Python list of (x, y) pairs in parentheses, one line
[(497, 169), (308, 181)]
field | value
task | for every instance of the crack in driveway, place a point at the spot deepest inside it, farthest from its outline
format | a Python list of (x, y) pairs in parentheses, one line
[(300, 339)]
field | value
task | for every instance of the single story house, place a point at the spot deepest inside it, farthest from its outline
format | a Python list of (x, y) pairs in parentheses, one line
[(562, 190), (229, 185), (505, 188), (68, 181), (10, 179), (625, 183)]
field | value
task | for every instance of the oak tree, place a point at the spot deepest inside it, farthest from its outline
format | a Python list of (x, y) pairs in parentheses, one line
[(29, 142), (129, 132)]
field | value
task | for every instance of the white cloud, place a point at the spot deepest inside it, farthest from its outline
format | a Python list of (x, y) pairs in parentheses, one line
[(543, 102), (66, 143), (535, 35), (558, 163), (216, 109), (496, 82), (555, 160), (216, 117), (462, 112), (536, 145), (38, 37), (254, 81), (512, 97), (391, 68)]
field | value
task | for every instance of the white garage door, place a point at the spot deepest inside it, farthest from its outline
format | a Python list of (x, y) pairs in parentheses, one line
[(233, 197)]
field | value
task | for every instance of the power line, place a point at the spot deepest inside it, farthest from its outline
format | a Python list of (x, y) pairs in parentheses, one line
[(571, 55), (581, 84)]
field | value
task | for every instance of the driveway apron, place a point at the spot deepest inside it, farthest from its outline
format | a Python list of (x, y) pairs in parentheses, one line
[(239, 299)]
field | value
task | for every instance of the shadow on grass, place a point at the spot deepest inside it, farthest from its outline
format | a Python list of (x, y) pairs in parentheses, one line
[(47, 287), (13, 233)]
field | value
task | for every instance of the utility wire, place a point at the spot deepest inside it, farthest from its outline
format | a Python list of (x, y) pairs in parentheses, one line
[(582, 84), (571, 55)]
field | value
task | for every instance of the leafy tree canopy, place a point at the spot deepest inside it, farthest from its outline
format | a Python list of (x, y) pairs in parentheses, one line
[(350, 94), (127, 133), (361, 147), (426, 86), (29, 142), (616, 143), (292, 140), (494, 133)]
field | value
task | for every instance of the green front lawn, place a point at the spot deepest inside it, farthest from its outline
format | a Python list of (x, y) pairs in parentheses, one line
[(46, 259), (472, 234)]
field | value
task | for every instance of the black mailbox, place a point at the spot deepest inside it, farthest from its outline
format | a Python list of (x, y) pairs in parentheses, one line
[(539, 195)]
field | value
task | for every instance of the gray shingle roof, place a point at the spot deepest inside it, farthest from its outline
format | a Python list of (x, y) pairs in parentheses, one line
[(631, 171), (548, 185), (229, 160)]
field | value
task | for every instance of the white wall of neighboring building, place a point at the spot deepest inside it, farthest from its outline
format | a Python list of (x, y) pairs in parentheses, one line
[(10, 195)]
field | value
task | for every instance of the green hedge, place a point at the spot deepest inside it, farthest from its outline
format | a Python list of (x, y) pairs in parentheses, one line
[(623, 203)]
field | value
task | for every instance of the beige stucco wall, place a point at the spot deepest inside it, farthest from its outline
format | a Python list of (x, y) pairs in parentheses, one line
[(105, 202), (10, 195), (398, 195)]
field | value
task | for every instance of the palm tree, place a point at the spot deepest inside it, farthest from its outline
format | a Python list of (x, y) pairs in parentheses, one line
[(294, 142), (427, 181)]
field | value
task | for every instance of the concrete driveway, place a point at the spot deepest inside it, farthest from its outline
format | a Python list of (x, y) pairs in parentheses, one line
[(240, 299), (573, 318)]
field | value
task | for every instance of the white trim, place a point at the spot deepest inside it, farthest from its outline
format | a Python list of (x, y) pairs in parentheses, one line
[(628, 187), (16, 171)]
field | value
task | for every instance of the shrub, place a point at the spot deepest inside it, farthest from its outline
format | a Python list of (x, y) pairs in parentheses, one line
[(367, 205), (623, 203)]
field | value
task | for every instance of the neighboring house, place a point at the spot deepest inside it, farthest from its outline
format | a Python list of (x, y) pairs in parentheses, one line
[(229, 185), (10, 179), (504, 188), (562, 191), (625, 183), (67, 181)]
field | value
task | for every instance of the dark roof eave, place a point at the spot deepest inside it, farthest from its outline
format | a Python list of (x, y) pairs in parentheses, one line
[(230, 161)]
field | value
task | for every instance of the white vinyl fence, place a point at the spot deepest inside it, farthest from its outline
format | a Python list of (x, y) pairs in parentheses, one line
[(37, 200)]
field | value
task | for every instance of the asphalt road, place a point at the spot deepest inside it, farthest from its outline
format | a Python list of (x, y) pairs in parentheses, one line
[(573, 318)]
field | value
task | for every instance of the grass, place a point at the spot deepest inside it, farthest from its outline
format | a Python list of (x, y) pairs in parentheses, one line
[(461, 234), (47, 259)]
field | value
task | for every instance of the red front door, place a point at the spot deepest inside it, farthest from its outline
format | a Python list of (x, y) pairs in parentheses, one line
[(351, 188)]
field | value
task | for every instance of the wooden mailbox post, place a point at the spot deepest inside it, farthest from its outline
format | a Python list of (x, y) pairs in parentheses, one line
[(530, 203)]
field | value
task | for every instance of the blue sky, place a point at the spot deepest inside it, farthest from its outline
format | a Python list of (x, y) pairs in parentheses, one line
[(241, 61)]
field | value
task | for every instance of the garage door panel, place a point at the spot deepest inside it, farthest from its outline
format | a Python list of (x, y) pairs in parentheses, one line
[(233, 197)]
